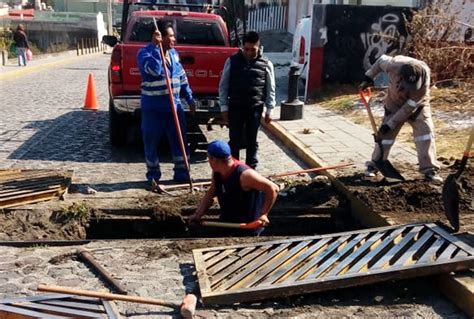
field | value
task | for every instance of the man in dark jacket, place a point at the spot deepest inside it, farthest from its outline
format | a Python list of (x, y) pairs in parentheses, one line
[(21, 42), (247, 85)]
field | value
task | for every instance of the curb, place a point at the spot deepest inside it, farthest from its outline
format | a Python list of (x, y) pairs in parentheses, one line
[(458, 287)]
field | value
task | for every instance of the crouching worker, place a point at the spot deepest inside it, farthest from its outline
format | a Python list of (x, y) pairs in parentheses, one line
[(408, 100), (243, 194)]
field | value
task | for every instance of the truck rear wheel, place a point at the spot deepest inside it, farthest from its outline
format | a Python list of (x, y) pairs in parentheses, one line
[(118, 126)]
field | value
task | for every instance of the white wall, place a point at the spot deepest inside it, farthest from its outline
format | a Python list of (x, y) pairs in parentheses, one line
[(296, 10)]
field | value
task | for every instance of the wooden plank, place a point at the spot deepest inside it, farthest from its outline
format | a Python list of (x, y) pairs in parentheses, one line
[(454, 240), (19, 193), (211, 254), (346, 250), (61, 310), (395, 249), (277, 262), (216, 258), (446, 254), (281, 241), (30, 198), (252, 267), (407, 257), (232, 269), (34, 298), (203, 279), (282, 274), (72, 304), (215, 269), (430, 254), (27, 312), (355, 279), (5, 189), (367, 247), (318, 258), (111, 309)]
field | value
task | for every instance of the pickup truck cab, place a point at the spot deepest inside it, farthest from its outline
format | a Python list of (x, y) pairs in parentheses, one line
[(202, 42)]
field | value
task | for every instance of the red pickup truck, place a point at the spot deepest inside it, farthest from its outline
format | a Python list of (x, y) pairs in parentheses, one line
[(202, 41)]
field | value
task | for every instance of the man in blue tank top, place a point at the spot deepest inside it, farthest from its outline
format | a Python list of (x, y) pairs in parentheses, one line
[(243, 194)]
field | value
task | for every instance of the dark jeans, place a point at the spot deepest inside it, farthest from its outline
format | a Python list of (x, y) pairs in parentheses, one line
[(243, 127)]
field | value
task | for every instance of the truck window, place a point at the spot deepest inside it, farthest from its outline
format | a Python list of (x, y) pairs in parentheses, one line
[(188, 31)]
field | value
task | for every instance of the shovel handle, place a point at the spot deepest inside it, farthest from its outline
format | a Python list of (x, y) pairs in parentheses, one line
[(252, 225), (469, 143), (106, 295), (366, 95)]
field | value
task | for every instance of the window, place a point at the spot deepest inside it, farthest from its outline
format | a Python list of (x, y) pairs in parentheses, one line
[(188, 31)]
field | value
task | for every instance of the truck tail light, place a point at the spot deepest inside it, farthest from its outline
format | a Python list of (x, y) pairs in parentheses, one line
[(302, 50), (116, 65)]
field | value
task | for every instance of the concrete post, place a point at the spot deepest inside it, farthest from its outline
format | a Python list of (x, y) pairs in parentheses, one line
[(292, 109), (4, 57)]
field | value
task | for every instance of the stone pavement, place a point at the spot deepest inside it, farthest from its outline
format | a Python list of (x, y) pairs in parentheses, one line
[(330, 139)]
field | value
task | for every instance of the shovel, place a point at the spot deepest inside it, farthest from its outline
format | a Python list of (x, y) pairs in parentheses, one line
[(451, 188), (384, 166)]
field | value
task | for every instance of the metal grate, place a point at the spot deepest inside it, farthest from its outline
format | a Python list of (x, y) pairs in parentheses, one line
[(287, 267), (57, 306), (20, 187)]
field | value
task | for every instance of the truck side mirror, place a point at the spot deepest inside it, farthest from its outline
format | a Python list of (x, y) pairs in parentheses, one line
[(110, 40)]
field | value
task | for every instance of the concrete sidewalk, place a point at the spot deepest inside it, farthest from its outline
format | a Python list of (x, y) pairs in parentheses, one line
[(324, 138)]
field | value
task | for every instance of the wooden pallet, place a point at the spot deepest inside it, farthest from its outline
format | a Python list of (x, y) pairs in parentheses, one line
[(57, 306), (288, 267), (21, 187)]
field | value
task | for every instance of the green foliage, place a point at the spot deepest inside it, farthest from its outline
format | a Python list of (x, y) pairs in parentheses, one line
[(76, 212)]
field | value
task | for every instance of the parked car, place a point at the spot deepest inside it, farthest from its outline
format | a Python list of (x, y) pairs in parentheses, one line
[(202, 41), (301, 46)]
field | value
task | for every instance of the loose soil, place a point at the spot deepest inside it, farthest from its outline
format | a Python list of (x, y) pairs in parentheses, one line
[(414, 200)]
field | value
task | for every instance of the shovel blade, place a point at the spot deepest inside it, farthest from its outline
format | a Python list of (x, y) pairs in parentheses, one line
[(450, 197), (387, 170)]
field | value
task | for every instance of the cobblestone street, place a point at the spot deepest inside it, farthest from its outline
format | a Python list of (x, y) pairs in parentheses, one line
[(43, 125)]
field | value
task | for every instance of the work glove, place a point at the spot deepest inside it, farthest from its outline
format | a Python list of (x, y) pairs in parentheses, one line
[(194, 220), (366, 83), (384, 129)]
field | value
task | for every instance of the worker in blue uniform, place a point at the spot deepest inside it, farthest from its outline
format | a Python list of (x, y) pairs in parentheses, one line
[(156, 113), (244, 195)]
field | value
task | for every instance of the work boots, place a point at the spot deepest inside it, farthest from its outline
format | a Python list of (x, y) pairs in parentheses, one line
[(434, 177)]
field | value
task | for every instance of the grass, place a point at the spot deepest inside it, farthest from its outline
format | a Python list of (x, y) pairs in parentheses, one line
[(75, 212)]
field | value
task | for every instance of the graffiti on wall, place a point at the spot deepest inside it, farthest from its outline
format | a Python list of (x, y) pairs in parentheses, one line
[(382, 38)]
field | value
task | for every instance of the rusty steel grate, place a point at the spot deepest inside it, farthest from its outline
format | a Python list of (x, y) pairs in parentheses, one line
[(286, 267), (21, 187), (57, 306)]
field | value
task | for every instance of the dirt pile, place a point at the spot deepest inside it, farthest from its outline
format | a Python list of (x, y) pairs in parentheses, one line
[(414, 200)]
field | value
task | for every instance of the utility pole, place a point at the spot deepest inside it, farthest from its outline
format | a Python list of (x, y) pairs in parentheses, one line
[(110, 28)]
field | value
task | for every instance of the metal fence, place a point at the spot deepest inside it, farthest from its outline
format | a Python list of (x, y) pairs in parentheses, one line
[(267, 18)]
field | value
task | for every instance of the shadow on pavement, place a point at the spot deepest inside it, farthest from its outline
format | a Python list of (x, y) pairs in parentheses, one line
[(83, 136), (77, 136)]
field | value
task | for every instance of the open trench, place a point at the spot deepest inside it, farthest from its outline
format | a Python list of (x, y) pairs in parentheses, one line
[(304, 208)]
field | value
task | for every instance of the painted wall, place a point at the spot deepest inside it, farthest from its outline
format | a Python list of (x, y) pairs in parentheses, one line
[(347, 40), (298, 9)]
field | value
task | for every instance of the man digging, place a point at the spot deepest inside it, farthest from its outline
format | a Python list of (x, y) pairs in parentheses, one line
[(244, 195)]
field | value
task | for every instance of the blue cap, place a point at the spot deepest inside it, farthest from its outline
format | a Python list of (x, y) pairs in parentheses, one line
[(218, 149)]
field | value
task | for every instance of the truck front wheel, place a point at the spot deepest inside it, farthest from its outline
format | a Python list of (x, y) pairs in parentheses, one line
[(118, 126)]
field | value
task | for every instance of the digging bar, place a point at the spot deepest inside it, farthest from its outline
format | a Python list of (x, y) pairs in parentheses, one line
[(451, 188), (384, 166), (175, 115)]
